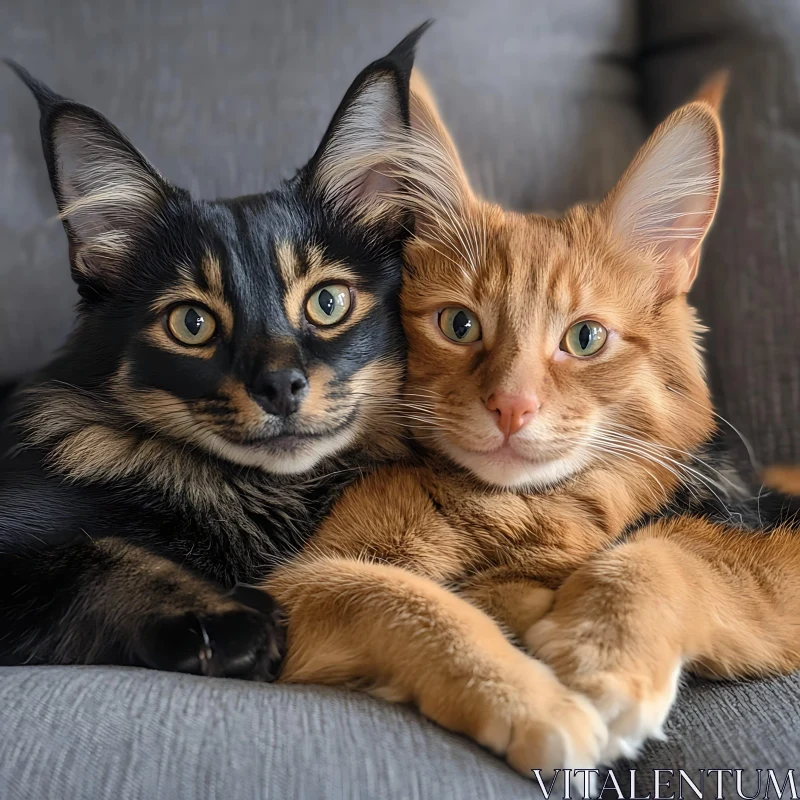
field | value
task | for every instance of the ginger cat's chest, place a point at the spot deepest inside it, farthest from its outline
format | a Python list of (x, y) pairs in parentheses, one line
[(437, 520), (556, 530)]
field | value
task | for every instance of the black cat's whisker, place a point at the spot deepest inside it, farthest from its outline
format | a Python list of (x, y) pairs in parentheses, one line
[(82, 389), (442, 425), (422, 421), (426, 412)]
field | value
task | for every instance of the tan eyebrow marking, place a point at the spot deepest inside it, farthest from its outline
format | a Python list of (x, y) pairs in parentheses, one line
[(318, 272), (314, 258), (288, 263), (212, 271)]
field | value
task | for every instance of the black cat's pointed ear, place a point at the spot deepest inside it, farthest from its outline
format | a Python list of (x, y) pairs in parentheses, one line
[(106, 191), (352, 170)]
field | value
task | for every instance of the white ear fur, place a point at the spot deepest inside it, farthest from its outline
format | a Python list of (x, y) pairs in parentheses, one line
[(354, 169), (372, 164), (665, 202), (106, 191)]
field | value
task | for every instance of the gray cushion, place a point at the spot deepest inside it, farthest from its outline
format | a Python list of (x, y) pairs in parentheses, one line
[(749, 285), (90, 733), (228, 97)]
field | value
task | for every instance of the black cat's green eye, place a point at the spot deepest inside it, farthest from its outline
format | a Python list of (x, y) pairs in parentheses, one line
[(460, 325), (584, 338), (191, 324), (328, 304)]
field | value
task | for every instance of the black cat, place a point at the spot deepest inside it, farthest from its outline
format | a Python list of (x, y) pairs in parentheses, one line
[(234, 364)]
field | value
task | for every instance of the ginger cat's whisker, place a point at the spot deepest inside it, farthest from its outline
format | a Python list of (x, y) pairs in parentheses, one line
[(659, 452), (677, 468), (747, 445), (602, 455), (661, 447)]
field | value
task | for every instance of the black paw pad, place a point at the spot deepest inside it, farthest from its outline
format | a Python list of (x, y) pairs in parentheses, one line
[(246, 640)]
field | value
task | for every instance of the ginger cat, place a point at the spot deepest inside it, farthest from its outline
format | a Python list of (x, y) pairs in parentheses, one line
[(565, 489)]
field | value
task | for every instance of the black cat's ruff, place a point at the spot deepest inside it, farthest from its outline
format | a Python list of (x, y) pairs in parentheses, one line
[(199, 422)]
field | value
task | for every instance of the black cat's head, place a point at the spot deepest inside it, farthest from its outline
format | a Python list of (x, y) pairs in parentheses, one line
[(262, 329)]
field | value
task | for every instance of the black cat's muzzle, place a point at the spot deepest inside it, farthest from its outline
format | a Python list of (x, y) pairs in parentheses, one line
[(291, 434)]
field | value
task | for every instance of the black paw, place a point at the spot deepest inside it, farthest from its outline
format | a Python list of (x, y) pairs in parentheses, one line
[(244, 637)]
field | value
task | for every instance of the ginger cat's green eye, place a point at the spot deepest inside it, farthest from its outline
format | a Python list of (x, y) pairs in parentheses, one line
[(584, 338), (328, 304), (460, 325), (191, 324)]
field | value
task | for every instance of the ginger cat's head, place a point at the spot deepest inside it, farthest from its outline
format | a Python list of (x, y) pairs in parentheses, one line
[(541, 346)]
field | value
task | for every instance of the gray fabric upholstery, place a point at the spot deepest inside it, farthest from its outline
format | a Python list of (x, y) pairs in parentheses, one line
[(749, 285), (228, 97), (94, 733), (88, 733)]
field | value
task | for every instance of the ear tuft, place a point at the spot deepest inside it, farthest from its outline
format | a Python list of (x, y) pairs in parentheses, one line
[(106, 191), (46, 98), (713, 90), (665, 202)]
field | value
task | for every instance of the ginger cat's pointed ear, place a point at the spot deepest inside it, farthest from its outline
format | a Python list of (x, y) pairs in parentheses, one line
[(427, 124), (665, 202), (435, 185)]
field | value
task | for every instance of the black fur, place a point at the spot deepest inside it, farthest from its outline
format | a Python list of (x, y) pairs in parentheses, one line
[(719, 483), (127, 550)]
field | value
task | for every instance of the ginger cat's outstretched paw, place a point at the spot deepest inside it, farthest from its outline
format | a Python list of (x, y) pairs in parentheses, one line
[(633, 696), (409, 639), (535, 722), (574, 737)]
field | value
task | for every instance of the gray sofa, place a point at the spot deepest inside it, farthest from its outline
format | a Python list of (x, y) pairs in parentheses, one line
[(548, 99)]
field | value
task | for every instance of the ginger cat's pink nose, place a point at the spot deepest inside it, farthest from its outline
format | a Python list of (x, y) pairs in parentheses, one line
[(513, 411)]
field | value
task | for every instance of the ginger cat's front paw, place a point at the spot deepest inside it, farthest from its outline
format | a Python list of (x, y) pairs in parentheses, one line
[(632, 693), (534, 721)]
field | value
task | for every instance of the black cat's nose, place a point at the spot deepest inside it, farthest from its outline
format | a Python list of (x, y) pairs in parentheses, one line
[(281, 392)]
